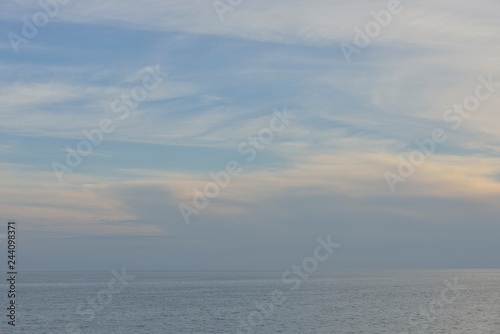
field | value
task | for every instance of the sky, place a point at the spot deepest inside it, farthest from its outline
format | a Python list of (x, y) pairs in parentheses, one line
[(375, 122)]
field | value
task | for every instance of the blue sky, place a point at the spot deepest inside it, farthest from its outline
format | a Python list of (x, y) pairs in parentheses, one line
[(221, 83)]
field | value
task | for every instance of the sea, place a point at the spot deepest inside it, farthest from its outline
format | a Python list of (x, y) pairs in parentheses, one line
[(338, 301)]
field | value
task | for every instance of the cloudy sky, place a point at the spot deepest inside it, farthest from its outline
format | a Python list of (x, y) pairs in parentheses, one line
[(359, 106)]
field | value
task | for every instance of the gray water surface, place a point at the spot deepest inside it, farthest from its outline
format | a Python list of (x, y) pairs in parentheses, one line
[(363, 302)]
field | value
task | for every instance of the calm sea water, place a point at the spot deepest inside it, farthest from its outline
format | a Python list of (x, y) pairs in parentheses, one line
[(364, 302)]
